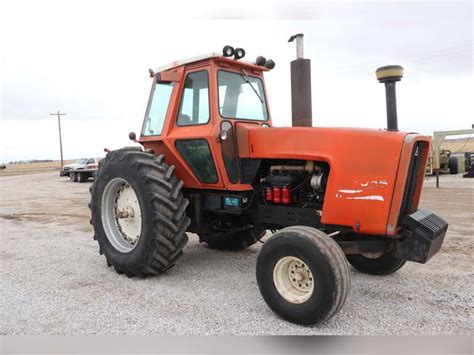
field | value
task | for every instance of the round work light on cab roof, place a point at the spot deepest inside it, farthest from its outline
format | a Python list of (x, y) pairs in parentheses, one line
[(239, 53), (260, 60), (270, 64), (228, 51)]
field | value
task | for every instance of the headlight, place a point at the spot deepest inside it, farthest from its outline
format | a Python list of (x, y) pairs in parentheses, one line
[(239, 53), (228, 51)]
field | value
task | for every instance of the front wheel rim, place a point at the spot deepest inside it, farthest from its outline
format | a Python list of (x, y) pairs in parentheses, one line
[(293, 279), (121, 215)]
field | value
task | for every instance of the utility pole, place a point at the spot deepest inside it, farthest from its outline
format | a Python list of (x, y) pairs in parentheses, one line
[(60, 139)]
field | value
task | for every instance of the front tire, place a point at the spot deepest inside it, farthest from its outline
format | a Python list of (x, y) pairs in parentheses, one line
[(376, 265), (303, 275), (73, 177), (138, 213)]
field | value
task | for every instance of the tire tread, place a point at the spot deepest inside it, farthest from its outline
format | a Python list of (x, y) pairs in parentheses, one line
[(168, 210)]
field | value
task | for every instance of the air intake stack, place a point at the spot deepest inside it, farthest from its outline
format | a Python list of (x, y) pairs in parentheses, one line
[(301, 109), (389, 75)]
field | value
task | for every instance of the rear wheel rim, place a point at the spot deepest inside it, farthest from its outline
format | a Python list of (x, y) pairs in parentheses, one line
[(293, 279), (121, 215)]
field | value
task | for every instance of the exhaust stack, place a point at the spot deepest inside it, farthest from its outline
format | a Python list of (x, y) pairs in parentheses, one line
[(389, 75), (301, 109)]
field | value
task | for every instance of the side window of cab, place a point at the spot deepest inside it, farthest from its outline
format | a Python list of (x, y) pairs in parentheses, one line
[(157, 109), (194, 105)]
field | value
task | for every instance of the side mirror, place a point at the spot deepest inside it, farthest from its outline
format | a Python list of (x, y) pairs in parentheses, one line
[(225, 128), (222, 135), (132, 136)]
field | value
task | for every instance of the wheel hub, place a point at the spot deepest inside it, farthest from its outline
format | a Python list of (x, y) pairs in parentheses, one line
[(293, 279), (128, 223), (300, 276), (127, 212)]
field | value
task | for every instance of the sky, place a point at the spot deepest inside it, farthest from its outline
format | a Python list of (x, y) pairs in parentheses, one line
[(90, 60)]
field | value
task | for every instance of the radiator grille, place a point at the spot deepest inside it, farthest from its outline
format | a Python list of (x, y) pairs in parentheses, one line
[(413, 179)]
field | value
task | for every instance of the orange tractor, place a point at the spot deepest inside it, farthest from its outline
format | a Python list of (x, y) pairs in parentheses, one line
[(213, 164)]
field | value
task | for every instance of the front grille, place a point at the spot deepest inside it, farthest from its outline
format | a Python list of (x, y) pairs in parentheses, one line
[(413, 180)]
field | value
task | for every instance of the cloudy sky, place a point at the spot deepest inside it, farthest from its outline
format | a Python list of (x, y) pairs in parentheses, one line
[(90, 59)]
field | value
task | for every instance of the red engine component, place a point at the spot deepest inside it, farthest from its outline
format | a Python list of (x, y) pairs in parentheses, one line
[(268, 194), (276, 194), (285, 195)]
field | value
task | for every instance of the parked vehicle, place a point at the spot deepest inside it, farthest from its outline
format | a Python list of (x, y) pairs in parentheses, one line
[(469, 164), (84, 174), (83, 163), (448, 164), (213, 164)]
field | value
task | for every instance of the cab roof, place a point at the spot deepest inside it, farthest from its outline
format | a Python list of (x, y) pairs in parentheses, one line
[(208, 56)]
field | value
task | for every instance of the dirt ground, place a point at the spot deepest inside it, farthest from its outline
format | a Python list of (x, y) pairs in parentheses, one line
[(53, 281)]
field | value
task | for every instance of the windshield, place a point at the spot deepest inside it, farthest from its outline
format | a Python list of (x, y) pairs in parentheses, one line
[(241, 96), (81, 161)]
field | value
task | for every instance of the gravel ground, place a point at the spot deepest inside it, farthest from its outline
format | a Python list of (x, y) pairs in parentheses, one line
[(53, 280)]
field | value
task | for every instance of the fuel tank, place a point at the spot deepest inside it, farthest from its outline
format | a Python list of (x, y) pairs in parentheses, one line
[(369, 169)]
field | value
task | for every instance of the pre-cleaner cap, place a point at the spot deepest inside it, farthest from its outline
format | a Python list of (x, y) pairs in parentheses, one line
[(389, 73)]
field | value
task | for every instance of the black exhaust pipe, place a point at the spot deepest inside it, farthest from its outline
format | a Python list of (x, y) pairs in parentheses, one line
[(301, 109), (389, 75)]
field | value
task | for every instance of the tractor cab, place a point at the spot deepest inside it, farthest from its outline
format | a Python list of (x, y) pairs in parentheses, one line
[(193, 109)]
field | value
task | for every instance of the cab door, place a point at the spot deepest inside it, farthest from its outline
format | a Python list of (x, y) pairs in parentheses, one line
[(192, 133), (239, 99)]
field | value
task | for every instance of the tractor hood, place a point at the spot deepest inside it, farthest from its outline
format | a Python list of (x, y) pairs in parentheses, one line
[(352, 146), (364, 166)]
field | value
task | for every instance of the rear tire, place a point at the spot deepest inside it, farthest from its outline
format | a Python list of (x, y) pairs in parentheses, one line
[(383, 265), (138, 213), (232, 240), (303, 275), (81, 177), (73, 177), (453, 165)]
